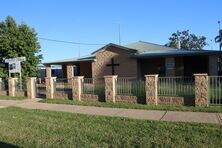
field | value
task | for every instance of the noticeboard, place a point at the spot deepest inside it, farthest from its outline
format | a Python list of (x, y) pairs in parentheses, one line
[(14, 64)]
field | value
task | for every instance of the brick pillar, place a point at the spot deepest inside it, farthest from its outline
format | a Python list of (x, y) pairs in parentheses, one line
[(201, 89), (48, 71), (11, 86), (69, 73), (77, 87), (31, 87), (151, 89), (170, 66), (0, 83), (49, 83), (110, 88)]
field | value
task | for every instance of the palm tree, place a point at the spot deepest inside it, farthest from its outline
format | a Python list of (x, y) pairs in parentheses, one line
[(218, 39)]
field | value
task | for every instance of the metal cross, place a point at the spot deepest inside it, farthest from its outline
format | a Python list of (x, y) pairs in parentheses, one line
[(113, 66)]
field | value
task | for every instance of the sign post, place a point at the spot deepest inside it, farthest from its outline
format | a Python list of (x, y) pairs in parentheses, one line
[(14, 66)]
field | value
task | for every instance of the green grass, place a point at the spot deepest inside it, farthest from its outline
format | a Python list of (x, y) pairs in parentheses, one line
[(136, 106), (12, 98), (35, 128)]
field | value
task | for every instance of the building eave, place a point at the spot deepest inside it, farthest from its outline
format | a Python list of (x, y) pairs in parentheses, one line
[(178, 53), (71, 60)]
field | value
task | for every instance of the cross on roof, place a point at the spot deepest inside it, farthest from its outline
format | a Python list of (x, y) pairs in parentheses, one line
[(113, 66)]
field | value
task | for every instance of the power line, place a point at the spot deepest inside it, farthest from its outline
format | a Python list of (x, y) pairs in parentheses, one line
[(69, 42)]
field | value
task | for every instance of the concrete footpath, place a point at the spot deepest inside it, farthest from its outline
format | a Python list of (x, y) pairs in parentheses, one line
[(118, 112)]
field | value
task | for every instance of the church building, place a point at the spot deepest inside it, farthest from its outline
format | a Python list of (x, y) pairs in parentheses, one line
[(139, 59)]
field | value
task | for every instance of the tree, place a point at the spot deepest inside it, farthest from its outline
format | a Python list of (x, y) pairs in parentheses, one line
[(187, 41), (17, 41)]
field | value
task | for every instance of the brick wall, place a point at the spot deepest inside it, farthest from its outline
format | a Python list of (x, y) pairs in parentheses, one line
[(86, 69), (3, 93), (127, 67), (63, 95), (126, 99), (21, 93), (89, 97), (170, 100)]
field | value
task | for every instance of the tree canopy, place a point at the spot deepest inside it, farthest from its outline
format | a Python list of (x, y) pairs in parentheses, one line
[(187, 41), (17, 40)]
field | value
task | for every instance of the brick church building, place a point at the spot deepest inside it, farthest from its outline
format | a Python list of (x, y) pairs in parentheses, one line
[(138, 59)]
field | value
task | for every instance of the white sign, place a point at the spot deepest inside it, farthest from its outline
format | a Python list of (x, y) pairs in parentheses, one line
[(15, 67), (13, 60), (14, 64)]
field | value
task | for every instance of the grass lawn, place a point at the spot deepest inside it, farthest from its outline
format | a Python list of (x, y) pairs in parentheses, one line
[(136, 106), (36, 128), (12, 98)]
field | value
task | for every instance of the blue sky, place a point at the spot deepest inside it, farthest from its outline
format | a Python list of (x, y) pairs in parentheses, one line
[(96, 21)]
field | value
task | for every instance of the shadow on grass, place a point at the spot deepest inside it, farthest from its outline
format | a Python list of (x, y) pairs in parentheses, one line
[(7, 145)]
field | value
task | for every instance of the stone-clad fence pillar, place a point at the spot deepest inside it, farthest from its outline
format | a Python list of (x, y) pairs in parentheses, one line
[(31, 90), (201, 89), (49, 83), (11, 86), (0, 83), (77, 87), (110, 88), (151, 89)]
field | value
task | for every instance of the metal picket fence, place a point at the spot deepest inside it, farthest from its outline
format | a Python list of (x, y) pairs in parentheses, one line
[(215, 90), (93, 86), (40, 88), (131, 87), (4, 85), (63, 85), (20, 85), (176, 86)]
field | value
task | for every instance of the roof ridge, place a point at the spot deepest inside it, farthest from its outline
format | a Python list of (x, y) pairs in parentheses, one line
[(156, 44), (112, 44)]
